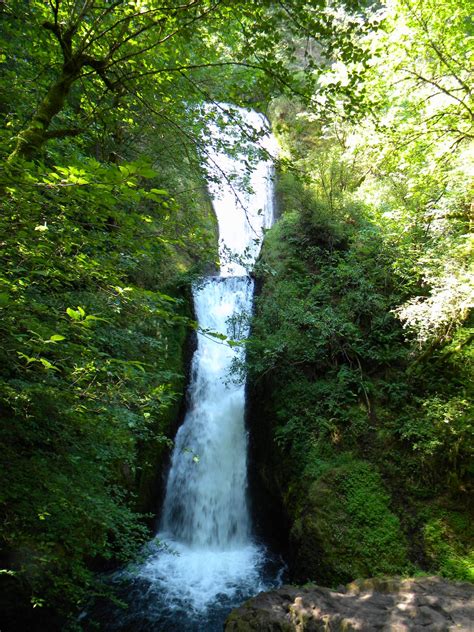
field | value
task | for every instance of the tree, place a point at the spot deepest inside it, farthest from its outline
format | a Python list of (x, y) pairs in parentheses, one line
[(115, 48)]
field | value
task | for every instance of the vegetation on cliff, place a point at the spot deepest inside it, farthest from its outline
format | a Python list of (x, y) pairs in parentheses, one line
[(361, 356), (95, 314)]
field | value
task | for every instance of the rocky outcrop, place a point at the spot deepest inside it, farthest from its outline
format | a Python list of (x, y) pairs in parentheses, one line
[(387, 605)]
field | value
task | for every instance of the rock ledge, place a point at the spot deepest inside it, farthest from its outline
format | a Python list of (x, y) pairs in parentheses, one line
[(430, 604)]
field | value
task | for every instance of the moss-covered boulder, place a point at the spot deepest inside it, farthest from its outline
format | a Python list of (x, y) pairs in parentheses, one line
[(345, 529)]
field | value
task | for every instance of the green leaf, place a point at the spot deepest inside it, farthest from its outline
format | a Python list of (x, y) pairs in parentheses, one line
[(147, 172), (47, 364), (73, 314)]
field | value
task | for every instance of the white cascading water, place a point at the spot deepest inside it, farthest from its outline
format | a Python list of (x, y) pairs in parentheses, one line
[(209, 552)]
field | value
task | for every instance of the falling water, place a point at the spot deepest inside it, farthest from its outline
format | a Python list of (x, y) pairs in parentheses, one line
[(206, 560)]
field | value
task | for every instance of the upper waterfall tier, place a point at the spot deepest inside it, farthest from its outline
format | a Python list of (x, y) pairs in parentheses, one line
[(243, 212)]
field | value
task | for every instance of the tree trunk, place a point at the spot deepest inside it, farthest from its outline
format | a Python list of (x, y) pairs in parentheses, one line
[(31, 139)]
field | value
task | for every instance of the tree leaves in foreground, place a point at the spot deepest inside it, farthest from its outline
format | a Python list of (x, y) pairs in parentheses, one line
[(87, 377)]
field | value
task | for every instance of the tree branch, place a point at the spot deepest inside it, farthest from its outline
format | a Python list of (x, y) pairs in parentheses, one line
[(63, 133), (441, 88), (163, 39)]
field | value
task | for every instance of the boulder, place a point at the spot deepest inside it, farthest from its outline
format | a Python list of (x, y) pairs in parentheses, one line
[(428, 604)]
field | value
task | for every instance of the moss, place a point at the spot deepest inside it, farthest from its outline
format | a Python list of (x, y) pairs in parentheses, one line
[(448, 538), (345, 528), (153, 452), (384, 585)]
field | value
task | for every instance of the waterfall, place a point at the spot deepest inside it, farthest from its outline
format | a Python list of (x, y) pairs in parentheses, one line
[(206, 505), (206, 501), (207, 557)]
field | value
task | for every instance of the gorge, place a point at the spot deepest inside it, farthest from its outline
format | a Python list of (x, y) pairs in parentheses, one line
[(352, 323), (205, 558)]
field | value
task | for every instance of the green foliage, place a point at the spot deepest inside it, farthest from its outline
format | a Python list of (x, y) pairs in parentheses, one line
[(362, 336), (324, 328), (325, 349), (347, 519), (448, 538), (93, 329), (330, 360), (91, 69)]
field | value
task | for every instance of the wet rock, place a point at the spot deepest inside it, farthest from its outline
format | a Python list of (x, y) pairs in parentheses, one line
[(428, 604)]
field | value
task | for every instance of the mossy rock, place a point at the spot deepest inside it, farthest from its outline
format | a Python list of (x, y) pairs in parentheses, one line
[(448, 538), (154, 451), (345, 528)]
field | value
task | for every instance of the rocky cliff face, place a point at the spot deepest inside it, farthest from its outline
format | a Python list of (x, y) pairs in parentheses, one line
[(391, 605)]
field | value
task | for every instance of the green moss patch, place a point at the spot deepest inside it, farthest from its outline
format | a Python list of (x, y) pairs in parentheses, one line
[(346, 529)]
